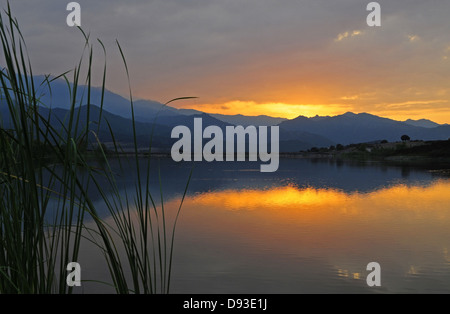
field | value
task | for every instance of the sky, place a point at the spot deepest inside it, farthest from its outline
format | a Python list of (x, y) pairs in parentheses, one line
[(282, 58)]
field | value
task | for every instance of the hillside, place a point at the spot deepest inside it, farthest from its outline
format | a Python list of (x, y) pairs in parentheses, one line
[(296, 135)]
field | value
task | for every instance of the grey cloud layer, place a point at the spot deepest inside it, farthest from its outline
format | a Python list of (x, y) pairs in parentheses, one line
[(213, 48)]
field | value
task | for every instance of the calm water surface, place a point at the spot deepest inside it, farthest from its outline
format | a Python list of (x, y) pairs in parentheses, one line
[(311, 227)]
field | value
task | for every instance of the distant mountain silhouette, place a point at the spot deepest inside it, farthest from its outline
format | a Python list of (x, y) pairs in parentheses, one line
[(57, 96), (297, 134), (359, 128), (424, 123)]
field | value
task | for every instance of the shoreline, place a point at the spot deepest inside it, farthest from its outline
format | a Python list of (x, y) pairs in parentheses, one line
[(398, 159)]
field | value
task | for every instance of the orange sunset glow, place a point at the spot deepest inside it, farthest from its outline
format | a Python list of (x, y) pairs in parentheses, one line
[(291, 111), (339, 219), (318, 207), (313, 202), (271, 109)]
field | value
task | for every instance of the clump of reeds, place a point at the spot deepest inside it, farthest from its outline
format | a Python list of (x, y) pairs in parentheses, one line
[(43, 163)]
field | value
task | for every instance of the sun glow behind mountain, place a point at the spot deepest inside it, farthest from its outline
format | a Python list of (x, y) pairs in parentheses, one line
[(291, 111), (250, 108)]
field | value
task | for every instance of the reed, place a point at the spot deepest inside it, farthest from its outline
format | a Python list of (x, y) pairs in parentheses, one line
[(47, 176)]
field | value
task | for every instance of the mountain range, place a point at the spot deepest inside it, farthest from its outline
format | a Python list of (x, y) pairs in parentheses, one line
[(296, 134)]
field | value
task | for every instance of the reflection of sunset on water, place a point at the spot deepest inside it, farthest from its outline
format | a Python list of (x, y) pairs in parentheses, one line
[(279, 196), (296, 200), (404, 228), (317, 217)]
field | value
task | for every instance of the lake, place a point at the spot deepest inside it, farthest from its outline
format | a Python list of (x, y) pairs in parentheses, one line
[(311, 227)]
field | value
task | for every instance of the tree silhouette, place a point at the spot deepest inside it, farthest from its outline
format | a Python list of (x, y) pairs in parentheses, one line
[(405, 138)]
